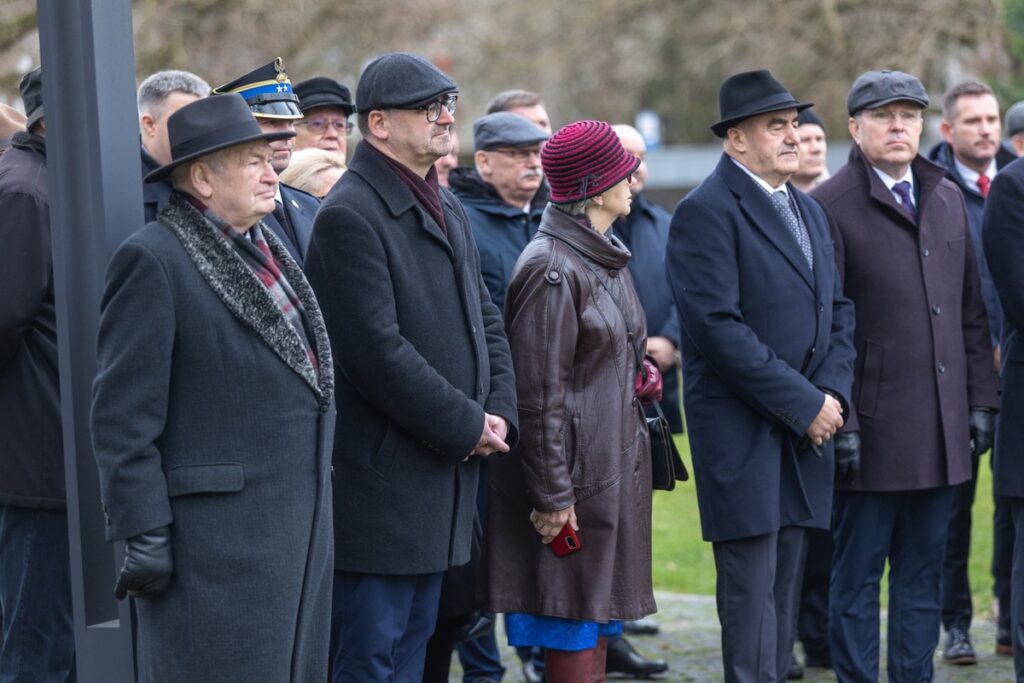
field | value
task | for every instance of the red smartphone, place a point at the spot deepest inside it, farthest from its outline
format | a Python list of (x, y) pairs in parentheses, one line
[(566, 542)]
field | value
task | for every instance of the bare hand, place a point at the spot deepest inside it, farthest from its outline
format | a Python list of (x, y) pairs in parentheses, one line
[(549, 524), (492, 438), (828, 421), (663, 352)]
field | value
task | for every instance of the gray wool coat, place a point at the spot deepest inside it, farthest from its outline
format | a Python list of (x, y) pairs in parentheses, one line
[(208, 416)]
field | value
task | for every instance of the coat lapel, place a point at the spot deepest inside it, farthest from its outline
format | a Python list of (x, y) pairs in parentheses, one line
[(247, 299), (756, 205)]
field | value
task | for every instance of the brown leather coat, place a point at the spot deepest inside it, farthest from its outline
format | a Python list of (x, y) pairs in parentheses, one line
[(583, 438)]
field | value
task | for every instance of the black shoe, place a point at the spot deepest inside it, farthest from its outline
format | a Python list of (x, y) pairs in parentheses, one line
[(622, 658), (795, 672), (479, 623), (641, 627), (1004, 643), (818, 660), (958, 649)]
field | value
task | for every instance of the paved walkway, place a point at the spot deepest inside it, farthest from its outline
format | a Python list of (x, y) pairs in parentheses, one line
[(690, 641)]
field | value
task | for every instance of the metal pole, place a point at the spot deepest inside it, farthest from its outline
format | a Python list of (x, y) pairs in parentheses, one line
[(92, 149)]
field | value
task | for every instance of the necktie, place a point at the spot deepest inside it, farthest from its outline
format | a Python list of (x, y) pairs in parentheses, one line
[(286, 224), (983, 183), (902, 190), (781, 201)]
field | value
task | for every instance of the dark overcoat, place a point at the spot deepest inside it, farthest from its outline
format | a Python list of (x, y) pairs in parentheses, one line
[(208, 416), (300, 210), (1003, 235), (924, 356), (763, 337), (573, 318), (422, 355), (645, 233), (31, 447)]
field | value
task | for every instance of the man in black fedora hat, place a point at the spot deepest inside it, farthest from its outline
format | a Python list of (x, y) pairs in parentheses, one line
[(213, 420), (268, 92), (767, 367)]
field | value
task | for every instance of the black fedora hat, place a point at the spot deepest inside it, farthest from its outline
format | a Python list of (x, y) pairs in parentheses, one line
[(749, 94), (208, 125)]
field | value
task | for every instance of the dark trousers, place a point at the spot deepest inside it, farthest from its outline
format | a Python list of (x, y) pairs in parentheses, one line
[(1017, 597), (956, 587), (1002, 559), (38, 642), (380, 626), (756, 594), (909, 529), (812, 616)]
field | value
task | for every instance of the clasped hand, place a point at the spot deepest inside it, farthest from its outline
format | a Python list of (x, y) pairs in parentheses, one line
[(828, 421), (492, 438), (549, 524)]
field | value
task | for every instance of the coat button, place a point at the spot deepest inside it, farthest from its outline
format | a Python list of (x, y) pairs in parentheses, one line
[(821, 308), (613, 273), (925, 252), (942, 367), (635, 401), (813, 349), (936, 309)]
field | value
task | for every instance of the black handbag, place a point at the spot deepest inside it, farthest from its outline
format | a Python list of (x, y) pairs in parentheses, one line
[(666, 464)]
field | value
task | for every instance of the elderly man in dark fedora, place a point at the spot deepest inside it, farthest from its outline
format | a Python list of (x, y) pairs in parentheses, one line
[(767, 367), (268, 92), (426, 386), (213, 420), (924, 385), (326, 105)]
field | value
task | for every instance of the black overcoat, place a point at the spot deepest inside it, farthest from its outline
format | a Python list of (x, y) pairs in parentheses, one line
[(763, 337), (422, 355), (1002, 232), (924, 356)]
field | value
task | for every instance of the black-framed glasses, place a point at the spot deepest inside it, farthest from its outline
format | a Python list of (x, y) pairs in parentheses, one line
[(434, 108), (319, 125)]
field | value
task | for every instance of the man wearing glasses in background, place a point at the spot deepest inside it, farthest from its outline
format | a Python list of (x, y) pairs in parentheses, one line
[(326, 105), (924, 389), (426, 386)]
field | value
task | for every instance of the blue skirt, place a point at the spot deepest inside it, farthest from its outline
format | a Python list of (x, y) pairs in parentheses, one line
[(555, 633)]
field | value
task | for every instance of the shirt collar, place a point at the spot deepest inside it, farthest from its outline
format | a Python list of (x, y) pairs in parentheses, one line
[(971, 176), (890, 181), (761, 182)]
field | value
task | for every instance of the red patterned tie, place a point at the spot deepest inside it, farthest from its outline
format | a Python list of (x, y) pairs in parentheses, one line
[(983, 183)]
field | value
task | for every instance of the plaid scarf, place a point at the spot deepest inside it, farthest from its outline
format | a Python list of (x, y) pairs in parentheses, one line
[(255, 252)]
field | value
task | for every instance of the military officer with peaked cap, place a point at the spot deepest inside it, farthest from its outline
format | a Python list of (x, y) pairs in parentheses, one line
[(268, 92)]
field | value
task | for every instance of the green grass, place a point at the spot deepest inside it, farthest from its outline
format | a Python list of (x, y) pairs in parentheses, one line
[(683, 562)]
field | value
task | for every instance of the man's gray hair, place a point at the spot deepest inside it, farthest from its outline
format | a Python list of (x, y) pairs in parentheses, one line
[(513, 99), (153, 91)]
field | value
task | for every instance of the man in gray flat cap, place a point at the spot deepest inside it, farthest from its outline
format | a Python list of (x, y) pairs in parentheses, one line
[(426, 386), (925, 390)]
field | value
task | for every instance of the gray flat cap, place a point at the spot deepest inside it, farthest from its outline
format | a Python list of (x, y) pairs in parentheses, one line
[(874, 89), (505, 129), (400, 80), (1015, 119)]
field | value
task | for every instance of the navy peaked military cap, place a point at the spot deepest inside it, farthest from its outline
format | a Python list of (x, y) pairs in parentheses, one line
[(267, 91), (400, 80)]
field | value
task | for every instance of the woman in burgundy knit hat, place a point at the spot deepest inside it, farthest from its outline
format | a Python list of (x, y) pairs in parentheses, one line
[(582, 468)]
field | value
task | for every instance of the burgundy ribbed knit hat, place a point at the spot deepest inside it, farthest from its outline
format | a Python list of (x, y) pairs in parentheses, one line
[(584, 159)]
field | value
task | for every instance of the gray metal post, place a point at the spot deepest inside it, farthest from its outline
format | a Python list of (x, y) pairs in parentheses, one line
[(92, 149)]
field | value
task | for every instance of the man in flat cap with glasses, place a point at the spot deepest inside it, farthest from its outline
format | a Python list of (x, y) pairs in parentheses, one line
[(268, 92), (925, 390), (767, 367), (326, 107), (426, 386)]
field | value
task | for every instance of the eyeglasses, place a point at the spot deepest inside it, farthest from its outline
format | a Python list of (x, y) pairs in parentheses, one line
[(319, 126), (886, 117), (518, 153), (434, 108)]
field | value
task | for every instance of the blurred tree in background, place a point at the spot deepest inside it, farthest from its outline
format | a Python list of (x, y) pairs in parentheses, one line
[(590, 58)]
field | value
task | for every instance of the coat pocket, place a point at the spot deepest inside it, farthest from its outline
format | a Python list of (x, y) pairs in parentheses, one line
[(870, 378), (224, 477)]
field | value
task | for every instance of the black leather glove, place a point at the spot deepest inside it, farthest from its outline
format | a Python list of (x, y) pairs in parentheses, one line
[(982, 422), (847, 446), (148, 565)]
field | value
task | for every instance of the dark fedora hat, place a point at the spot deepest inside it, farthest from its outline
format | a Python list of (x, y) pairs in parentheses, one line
[(208, 125), (749, 94)]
